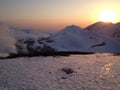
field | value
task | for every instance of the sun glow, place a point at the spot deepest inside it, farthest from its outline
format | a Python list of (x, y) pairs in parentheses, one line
[(108, 16)]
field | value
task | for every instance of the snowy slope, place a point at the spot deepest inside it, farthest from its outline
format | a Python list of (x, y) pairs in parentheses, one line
[(107, 29), (73, 38)]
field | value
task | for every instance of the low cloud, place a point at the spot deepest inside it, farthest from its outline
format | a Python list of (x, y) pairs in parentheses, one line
[(7, 41)]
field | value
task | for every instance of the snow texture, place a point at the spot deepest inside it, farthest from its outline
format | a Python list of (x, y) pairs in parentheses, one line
[(91, 72)]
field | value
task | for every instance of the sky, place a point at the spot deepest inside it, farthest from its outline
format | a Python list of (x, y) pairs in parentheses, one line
[(53, 15)]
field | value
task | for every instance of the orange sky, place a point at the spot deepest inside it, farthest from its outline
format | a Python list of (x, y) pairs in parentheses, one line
[(53, 15)]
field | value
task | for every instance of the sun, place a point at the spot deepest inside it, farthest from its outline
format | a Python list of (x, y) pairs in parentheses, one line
[(108, 16)]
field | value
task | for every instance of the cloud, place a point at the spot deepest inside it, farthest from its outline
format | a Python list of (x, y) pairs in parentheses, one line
[(7, 41)]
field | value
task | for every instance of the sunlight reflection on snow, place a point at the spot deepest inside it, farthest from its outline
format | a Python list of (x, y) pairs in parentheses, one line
[(107, 70)]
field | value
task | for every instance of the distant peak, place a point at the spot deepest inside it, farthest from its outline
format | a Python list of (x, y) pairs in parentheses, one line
[(72, 27), (118, 23), (100, 24), (104, 23)]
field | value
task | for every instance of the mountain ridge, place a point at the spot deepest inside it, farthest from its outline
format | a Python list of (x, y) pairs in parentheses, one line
[(98, 38), (107, 29)]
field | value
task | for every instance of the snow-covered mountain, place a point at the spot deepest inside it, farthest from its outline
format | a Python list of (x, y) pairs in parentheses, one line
[(106, 29), (73, 38), (95, 38)]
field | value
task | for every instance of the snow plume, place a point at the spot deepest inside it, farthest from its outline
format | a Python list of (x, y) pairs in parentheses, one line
[(7, 42)]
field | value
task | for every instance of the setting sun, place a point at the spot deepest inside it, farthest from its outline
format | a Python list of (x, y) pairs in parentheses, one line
[(108, 16)]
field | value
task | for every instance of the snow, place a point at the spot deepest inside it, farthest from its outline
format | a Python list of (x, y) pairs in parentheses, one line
[(107, 29), (99, 37), (73, 38), (91, 72), (98, 71), (25, 36)]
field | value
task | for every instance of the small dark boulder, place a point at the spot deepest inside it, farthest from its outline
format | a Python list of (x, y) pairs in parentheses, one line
[(67, 70)]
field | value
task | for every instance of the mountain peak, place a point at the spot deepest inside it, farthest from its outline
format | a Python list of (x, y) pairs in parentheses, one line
[(72, 27), (98, 25), (117, 23), (102, 24)]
